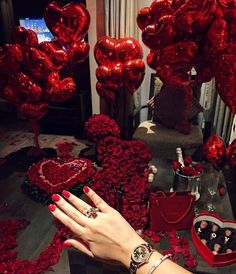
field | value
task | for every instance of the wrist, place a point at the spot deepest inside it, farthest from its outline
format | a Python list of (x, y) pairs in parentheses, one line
[(128, 249)]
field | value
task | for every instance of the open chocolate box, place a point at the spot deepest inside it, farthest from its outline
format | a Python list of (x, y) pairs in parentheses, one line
[(210, 256)]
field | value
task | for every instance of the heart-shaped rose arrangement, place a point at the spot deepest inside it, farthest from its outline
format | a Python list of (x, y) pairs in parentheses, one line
[(54, 175), (221, 259), (120, 64)]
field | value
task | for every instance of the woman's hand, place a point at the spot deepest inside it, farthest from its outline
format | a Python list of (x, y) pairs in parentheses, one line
[(106, 236)]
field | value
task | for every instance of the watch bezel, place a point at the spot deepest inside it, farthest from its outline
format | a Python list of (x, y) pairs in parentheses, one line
[(145, 250), (136, 263)]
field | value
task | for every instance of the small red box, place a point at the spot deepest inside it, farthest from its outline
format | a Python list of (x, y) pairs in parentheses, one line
[(218, 259)]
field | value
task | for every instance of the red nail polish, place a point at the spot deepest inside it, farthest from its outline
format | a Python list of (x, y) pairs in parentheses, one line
[(55, 197), (66, 194), (66, 244), (52, 207), (86, 189)]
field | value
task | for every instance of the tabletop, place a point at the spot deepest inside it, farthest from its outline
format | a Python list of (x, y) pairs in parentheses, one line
[(164, 180)]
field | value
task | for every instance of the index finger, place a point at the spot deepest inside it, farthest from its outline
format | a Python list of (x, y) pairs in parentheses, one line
[(96, 199)]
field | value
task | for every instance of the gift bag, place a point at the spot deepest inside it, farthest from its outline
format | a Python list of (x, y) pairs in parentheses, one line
[(171, 211)]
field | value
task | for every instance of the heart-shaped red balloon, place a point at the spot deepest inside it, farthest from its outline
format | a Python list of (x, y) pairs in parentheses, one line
[(69, 23), (160, 8), (25, 37), (105, 93), (156, 36), (59, 90), (33, 111), (28, 90), (38, 64), (56, 53), (78, 52), (10, 94), (143, 18), (226, 77), (11, 58), (104, 51), (231, 155), (110, 76), (214, 151), (128, 49), (133, 75), (109, 51)]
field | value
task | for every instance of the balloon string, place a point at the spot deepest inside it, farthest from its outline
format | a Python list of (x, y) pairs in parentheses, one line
[(35, 126)]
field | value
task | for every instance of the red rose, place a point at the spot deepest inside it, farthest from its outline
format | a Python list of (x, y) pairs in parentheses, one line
[(187, 160), (189, 171), (175, 165), (198, 168)]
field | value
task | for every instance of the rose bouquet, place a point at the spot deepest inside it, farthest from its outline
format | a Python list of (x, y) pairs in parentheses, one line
[(99, 126), (123, 181), (189, 168)]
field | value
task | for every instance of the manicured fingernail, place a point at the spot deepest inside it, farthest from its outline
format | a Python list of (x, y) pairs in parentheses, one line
[(66, 244), (66, 194), (86, 189), (55, 197), (52, 207)]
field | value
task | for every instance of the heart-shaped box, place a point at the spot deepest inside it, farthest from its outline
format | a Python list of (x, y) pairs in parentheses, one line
[(217, 260)]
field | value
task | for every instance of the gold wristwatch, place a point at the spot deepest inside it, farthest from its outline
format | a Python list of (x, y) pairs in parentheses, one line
[(140, 256)]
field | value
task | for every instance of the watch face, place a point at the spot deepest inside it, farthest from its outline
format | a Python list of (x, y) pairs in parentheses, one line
[(140, 254)]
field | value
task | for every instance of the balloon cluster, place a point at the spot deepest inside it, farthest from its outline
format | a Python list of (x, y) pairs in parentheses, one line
[(30, 71), (199, 34), (120, 64), (217, 154)]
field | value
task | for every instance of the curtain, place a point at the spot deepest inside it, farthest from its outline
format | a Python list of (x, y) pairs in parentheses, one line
[(120, 22), (6, 19)]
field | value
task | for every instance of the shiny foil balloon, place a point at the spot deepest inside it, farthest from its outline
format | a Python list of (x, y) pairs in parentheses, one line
[(11, 58), (38, 64), (143, 18), (214, 151), (11, 94), (156, 36), (78, 52), (56, 53), (109, 51), (59, 90), (33, 111), (120, 65), (231, 155), (105, 51), (68, 23), (110, 76), (133, 75), (226, 77), (105, 93), (25, 37), (128, 49), (27, 88)]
